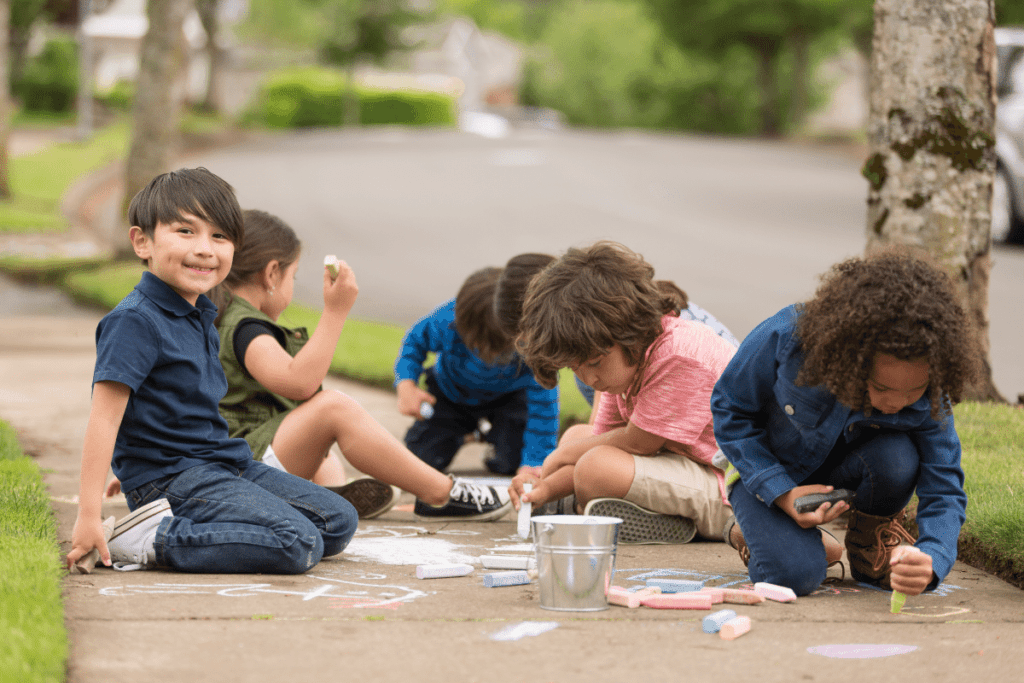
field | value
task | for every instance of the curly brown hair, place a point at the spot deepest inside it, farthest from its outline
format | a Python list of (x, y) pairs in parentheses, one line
[(589, 300), (897, 302), (474, 316)]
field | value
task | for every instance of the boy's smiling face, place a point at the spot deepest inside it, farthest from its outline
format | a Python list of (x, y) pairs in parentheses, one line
[(191, 255), (607, 372)]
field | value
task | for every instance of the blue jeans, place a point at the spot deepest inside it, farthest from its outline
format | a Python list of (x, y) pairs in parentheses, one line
[(881, 468), (258, 520)]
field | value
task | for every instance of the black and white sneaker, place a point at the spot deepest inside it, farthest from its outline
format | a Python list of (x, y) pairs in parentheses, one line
[(370, 497), (467, 502)]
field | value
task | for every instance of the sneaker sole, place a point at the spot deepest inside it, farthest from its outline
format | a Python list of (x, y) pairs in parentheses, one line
[(488, 516), (370, 497), (157, 507), (641, 527)]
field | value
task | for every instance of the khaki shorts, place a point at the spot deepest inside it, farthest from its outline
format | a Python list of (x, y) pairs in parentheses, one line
[(672, 484)]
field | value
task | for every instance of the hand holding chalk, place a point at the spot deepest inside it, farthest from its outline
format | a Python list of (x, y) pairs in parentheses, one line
[(525, 509), (331, 264), (340, 288), (911, 570)]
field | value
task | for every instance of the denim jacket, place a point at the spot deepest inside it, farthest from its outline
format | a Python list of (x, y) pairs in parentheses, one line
[(775, 433)]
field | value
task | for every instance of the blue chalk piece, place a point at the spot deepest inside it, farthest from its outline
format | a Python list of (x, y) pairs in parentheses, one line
[(515, 578), (675, 585), (713, 622)]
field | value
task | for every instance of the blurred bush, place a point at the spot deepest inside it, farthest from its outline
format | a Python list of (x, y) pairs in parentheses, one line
[(313, 96), (119, 97), (49, 81), (607, 63)]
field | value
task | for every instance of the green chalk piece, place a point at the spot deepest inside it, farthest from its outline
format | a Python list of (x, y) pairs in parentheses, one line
[(896, 604)]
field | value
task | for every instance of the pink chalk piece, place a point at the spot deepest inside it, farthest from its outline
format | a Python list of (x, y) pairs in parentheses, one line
[(737, 596), (617, 595), (734, 628), (691, 600), (717, 594), (773, 592)]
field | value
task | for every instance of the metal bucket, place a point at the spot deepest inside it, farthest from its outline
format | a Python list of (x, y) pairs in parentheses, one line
[(575, 560)]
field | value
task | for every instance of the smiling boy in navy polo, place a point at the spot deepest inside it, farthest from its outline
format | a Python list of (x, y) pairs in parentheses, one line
[(199, 502)]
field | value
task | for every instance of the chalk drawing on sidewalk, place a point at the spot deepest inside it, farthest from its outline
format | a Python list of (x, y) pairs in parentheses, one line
[(934, 611), (340, 593), (860, 650), (524, 629), (409, 545), (719, 580)]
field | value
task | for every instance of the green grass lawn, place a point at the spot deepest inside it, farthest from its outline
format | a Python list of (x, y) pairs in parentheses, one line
[(34, 645)]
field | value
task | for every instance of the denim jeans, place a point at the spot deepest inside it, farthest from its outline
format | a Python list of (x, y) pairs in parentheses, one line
[(258, 520), (881, 469)]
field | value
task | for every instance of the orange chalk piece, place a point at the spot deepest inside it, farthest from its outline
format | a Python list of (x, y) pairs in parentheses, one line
[(691, 600), (734, 628), (617, 595), (773, 592), (717, 594), (738, 596)]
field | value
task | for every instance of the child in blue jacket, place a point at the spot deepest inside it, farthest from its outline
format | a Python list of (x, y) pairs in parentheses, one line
[(476, 375), (852, 389)]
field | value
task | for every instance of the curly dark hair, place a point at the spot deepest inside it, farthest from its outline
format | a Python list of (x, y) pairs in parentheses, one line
[(589, 300), (897, 302)]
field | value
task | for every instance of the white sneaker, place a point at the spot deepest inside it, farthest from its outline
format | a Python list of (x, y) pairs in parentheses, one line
[(132, 545)]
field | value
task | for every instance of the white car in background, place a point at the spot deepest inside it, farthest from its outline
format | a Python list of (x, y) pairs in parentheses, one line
[(1008, 187)]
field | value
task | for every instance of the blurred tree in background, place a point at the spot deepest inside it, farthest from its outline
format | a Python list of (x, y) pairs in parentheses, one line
[(5, 102)]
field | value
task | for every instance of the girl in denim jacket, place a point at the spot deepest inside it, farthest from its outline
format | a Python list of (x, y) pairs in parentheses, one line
[(852, 389)]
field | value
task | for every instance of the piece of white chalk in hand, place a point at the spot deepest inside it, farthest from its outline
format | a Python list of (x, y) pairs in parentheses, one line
[(331, 263), (525, 508)]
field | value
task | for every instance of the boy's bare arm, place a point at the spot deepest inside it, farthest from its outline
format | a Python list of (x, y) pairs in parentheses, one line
[(109, 400)]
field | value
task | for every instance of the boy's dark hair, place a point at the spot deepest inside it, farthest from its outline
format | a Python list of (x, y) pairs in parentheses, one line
[(510, 289), (896, 302), (188, 190), (589, 300), (267, 238), (474, 316)]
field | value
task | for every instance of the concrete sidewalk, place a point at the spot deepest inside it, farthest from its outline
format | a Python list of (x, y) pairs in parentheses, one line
[(365, 616)]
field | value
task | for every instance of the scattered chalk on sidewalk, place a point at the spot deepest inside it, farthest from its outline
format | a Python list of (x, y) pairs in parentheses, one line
[(508, 562), (734, 628), (690, 600), (712, 623), (738, 596), (623, 597), (442, 571), (514, 578), (675, 585), (773, 592)]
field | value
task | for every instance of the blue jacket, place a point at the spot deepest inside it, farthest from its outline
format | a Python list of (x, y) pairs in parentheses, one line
[(776, 433), (466, 379)]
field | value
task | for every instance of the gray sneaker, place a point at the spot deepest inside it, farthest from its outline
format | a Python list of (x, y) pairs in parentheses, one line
[(131, 545), (640, 526), (370, 497)]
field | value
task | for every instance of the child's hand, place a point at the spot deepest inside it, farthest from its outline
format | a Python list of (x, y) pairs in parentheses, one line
[(87, 534), (340, 293), (410, 396), (825, 513), (538, 496), (911, 570), (113, 488)]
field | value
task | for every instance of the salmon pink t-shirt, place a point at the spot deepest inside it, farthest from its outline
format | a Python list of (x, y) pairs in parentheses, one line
[(674, 396)]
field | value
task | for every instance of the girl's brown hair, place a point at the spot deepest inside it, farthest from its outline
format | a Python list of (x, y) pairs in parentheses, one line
[(510, 290), (267, 238), (897, 302), (589, 300)]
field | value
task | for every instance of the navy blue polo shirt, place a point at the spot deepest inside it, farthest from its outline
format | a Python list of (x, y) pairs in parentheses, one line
[(166, 351)]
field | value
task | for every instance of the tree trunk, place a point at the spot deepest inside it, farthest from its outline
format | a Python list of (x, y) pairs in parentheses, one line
[(207, 10), (157, 100), (5, 101), (801, 78), (766, 51), (932, 146)]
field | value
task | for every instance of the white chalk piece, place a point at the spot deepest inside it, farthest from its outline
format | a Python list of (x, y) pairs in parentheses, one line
[(508, 562), (496, 579), (442, 571), (331, 263), (525, 509), (712, 623), (426, 410)]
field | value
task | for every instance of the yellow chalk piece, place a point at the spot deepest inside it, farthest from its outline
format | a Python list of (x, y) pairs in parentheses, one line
[(896, 603)]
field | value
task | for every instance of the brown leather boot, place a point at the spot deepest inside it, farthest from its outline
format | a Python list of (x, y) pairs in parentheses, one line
[(870, 541)]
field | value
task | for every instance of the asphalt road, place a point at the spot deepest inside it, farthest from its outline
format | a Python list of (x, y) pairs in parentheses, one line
[(745, 227)]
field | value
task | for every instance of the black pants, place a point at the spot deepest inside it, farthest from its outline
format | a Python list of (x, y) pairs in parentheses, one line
[(437, 440)]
